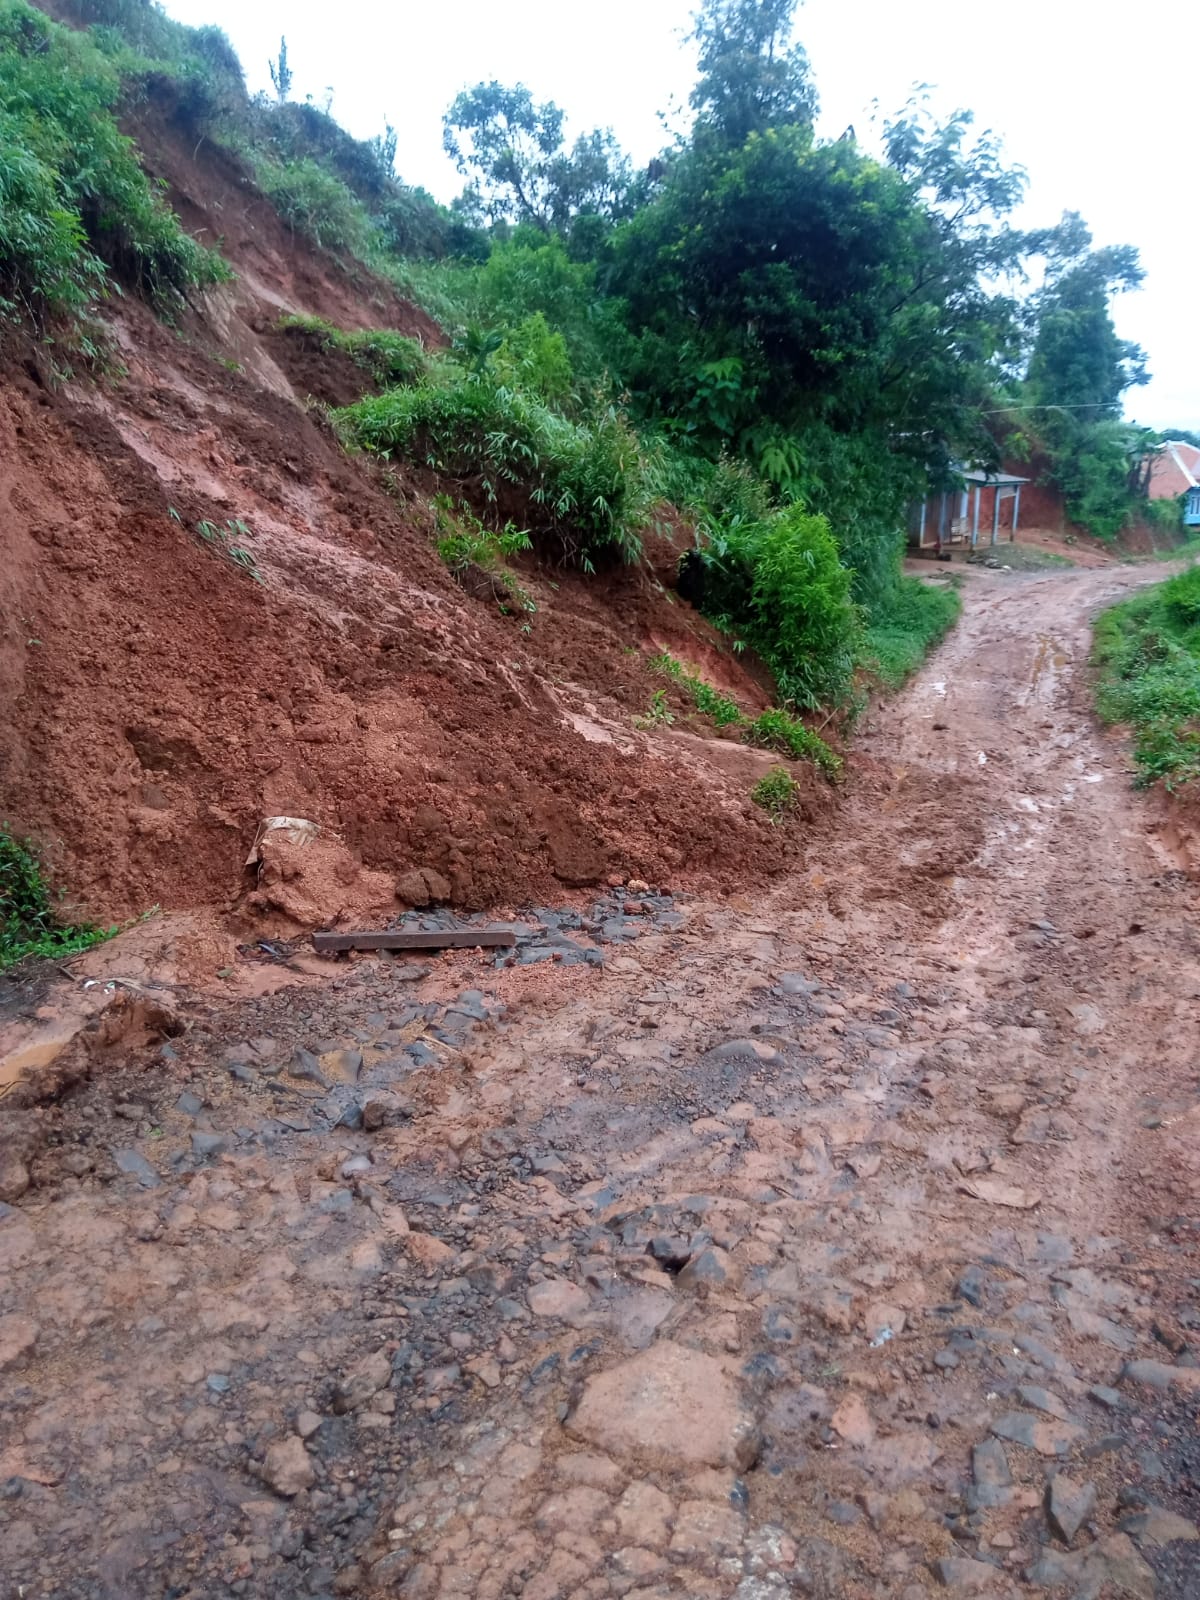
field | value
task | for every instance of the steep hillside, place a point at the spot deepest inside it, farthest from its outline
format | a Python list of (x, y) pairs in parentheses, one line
[(158, 701)]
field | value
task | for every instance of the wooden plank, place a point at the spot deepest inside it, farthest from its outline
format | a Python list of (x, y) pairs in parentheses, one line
[(436, 939)]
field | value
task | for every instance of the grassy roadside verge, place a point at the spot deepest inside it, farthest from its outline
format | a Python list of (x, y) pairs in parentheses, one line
[(1148, 652), (900, 633)]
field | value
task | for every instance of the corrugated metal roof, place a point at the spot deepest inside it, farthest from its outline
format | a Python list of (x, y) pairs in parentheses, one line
[(976, 475)]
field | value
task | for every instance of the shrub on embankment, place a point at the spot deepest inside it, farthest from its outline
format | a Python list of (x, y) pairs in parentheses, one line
[(77, 213), (1148, 652)]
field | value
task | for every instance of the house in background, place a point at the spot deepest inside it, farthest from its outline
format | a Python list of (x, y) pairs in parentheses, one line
[(1175, 475), (953, 516)]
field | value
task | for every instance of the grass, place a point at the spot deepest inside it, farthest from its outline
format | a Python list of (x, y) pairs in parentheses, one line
[(779, 730), (775, 729), (29, 922), (465, 542), (776, 792), (579, 486), (902, 629), (1181, 552), (391, 359), (78, 215), (1148, 653), (227, 539), (658, 714)]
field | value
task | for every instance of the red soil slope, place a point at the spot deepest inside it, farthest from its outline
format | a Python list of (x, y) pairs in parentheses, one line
[(157, 702)]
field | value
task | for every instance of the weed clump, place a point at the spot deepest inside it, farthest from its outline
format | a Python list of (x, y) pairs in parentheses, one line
[(29, 922), (478, 556), (777, 793), (774, 729)]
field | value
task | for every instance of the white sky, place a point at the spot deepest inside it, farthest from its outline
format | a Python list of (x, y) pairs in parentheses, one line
[(1096, 102)]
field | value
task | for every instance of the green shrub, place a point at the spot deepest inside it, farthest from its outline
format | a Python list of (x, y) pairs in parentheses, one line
[(1148, 652), (464, 540), (390, 358), (580, 486), (464, 543), (1164, 516), (533, 358), (74, 203), (777, 793), (29, 925), (658, 714), (779, 587), (317, 205)]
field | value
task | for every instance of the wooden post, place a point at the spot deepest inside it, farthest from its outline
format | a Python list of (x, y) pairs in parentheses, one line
[(975, 519), (1016, 512), (996, 514), (921, 535)]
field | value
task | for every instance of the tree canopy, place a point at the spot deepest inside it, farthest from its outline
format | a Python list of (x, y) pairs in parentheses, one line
[(519, 168), (753, 76)]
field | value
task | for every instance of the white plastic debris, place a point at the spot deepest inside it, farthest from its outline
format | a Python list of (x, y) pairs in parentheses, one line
[(287, 830)]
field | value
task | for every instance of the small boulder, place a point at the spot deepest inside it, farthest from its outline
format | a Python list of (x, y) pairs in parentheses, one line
[(558, 1297), (288, 1468), (362, 1383), (14, 1176), (1069, 1504), (669, 1404), (422, 886)]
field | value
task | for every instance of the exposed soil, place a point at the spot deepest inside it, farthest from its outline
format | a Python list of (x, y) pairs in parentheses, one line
[(838, 1240), (158, 702)]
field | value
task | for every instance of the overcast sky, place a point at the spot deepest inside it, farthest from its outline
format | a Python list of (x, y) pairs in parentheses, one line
[(1098, 104)]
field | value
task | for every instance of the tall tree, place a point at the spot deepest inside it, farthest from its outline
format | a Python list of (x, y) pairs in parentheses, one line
[(519, 167), (752, 75), (1078, 360), (1079, 368)]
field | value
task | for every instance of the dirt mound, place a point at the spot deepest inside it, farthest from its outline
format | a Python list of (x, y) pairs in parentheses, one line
[(159, 701)]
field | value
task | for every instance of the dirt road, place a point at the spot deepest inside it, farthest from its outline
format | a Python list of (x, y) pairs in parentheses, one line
[(841, 1243)]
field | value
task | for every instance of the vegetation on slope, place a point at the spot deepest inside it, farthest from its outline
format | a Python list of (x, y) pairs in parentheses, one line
[(789, 376), (1148, 652), (30, 922), (77, 213)]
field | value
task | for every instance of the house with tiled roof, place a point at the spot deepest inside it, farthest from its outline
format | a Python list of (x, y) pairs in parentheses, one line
[(1175, 475)]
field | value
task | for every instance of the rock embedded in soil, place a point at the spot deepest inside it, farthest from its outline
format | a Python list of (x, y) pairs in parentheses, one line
[(1052, 1438), (362, 1382), (134, 1163), (558, 1297), (1069, 1504), (964, 1576), (14, 1176), (18, 1338), (288, 1468), (1156, 1527), (1112, 1561), (1159, 1375), (669, 1405)]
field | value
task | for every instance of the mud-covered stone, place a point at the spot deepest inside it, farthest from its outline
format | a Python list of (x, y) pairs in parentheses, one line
[(668, 1404)]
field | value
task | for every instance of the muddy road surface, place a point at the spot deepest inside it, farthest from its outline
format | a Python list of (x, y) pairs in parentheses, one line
[(836, 1242)]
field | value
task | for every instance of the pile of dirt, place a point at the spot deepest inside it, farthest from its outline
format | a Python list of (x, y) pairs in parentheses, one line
[(159, 699)]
